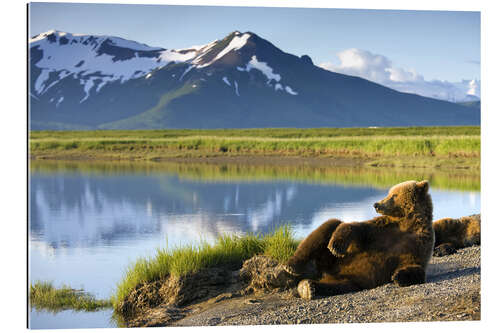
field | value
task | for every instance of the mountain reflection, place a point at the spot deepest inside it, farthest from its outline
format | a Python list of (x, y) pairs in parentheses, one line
[(85, 210)]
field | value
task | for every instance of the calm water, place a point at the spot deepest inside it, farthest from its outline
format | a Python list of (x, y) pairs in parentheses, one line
[(89, 222)]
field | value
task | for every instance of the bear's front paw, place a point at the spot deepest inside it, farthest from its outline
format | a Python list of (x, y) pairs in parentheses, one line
[(337, 248), (306, 289)]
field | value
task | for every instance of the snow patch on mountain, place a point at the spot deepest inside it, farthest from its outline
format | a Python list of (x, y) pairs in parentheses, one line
[(103, 82), (236, 88), (254, 63), (185, 72), (40, 81), (290, 91), (226, 81), (64, 74), (169, 56), (263, 67), (236, 43), (87, 85), (50, 85)]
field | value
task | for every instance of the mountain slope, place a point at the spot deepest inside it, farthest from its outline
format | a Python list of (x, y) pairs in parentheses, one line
[(82, 81)]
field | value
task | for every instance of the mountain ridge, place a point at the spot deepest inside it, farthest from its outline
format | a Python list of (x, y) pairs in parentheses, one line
[(242, 80)]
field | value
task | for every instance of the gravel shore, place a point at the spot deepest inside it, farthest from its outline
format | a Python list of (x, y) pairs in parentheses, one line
[(452, 293)]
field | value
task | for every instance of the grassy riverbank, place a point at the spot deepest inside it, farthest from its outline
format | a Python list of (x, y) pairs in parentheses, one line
[(226, 251), (421, 146), (43, 295)]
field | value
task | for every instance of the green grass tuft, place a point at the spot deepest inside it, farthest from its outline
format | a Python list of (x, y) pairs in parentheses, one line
[(280, 245), (227, 250), (43, 295)]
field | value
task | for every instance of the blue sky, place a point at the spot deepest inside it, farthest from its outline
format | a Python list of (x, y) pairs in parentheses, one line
[(436, 45)]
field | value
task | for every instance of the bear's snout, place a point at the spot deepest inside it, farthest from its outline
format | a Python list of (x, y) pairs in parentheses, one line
[(376, 205)]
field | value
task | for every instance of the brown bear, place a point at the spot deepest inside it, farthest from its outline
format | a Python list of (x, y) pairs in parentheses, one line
[(452, 234), (348, 257)]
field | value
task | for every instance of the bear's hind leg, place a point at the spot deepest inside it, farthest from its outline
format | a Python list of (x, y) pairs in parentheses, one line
[(311, 247), (409, 275)]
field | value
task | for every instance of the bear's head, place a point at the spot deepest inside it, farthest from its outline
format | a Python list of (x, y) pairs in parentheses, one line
[(406, 199)]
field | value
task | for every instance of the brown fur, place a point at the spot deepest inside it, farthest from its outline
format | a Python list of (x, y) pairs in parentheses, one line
[(452, 234), (353, 256)]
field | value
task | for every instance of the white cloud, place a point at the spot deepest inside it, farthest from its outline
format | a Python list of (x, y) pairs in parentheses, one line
[(361, 63), (402, 75), (379, 68)]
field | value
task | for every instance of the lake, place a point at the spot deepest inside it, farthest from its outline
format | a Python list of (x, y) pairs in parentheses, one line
[(89, 221)]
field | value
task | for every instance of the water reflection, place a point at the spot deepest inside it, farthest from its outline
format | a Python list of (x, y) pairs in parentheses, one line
[(71, 319), (71, 210)]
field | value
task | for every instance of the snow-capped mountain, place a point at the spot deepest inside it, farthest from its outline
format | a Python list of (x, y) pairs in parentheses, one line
[(98, 60), (87, 81)]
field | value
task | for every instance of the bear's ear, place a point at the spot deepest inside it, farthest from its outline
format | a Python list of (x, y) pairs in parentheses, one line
[(423, 185)]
